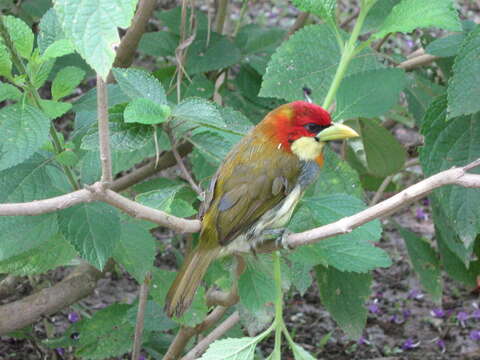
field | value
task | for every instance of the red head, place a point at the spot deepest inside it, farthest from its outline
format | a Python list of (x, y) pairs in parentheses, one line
[(298, 119)]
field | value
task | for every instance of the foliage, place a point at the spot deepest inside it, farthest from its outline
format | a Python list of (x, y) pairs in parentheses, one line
[(147, 110)]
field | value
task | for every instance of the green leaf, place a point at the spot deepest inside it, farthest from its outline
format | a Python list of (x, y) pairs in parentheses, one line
[(344, 295), (323, 8), (420, 93), (377, 14), (50, 30), (145, 111), (154, 320), (291, 67), (384, 154), (200, 87), (66, 81), (49, 255), (67, 157), (92, 27), (5, 61), (39, 70), (369, 94), (254, 39), (9, 92), (93, 229), (161, 282), (173, 197), (232, 349), (135, 250), (58, 49), (140, 84), (23, 130), (172, 19), (20, 34), (54, 109), (446, 46), (255, 286), (409, 15), (208, 53), (299, 353), (123, 137), (299, 275), (465, 81), (88, 101), (198, 111), (159, 43), (448, 144), (425, 262)]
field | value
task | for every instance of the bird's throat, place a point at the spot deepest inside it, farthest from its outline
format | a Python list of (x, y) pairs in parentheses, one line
[(307, 148)]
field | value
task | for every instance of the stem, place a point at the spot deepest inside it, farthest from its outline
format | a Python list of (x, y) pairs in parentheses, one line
[(17, 61), (103, 131), (347, 55), (279, 324), (221, 15), (142, 303), (243, 10)]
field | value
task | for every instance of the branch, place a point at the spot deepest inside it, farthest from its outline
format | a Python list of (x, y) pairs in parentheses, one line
[(454, 176), (80, 283), (129, 43), (216, 333), (103, 131), (221, 15), (299, 23), (417, 61), (142, 303)]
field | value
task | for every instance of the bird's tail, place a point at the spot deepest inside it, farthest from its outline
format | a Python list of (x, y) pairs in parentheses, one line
[(181, 293)]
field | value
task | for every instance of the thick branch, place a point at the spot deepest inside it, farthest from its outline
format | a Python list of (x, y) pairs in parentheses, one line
[(142, 304), (417, 61), (454, 176), (103, 131), (78, 284)]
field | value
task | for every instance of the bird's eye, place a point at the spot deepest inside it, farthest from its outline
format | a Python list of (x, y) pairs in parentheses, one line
[(315, 128)]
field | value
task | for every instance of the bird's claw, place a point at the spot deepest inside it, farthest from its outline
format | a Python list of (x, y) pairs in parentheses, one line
[(282, 239)]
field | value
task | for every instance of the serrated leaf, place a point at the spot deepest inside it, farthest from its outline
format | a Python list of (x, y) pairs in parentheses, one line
[(377, 14), (20, 34), (384, 154), (5, 61), (93, 229), (197, 111), (255, 286), (254, 39), (173, 197), (59, 48), (123, 137), (370, 93), (172, 19), (159, 43), (9, 92), (299, 275), (409, 15), (299, 353), (446, 46), (232, 349), (344, 295), (145, 111), (54, 109), (154, 319), (49, 255), (66, 81), (200, 87), (67, 157), (211, 51), (135, 250), (50, 30), (138, 83), (447, 144), (298, 63), (465, 81), (323, 8), (425, 262), (88, 101), (23, 130), (95, 43)]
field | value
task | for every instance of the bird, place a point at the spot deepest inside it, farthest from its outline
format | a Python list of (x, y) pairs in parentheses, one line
[(256, 188)]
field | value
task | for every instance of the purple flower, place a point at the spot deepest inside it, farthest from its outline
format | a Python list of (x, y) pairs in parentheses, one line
[(73, 317), (426, 202), (475, 335), (363, 341), (409, 344), (406, 313), (60, 351), (415, 294), (441, 344), (410, 43), (373, 307), (142, 357), (462, 316), (421, 215), (438, 313), (476, 314)]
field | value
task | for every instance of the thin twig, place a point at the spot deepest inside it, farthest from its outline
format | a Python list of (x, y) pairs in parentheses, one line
[(215, 334), (299, 23), (142, 304), (221, 15), (348, 20), (417, 61), (381, 42), (103, 131)]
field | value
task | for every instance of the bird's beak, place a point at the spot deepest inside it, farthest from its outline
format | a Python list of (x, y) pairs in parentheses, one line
[(336, 132)]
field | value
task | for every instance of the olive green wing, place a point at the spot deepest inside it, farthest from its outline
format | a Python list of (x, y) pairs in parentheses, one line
[(254, 179)]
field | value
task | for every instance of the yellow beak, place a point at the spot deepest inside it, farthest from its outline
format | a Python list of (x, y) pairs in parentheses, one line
[(336, 132)]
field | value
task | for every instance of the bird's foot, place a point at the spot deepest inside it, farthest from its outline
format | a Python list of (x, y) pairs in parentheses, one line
[(281, 236)]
